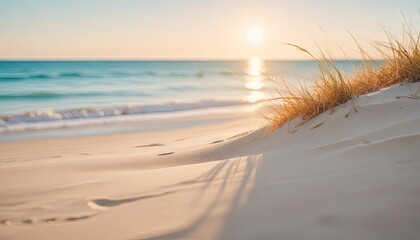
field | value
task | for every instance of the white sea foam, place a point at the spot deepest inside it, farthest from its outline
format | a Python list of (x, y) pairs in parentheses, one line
[(50, 119)]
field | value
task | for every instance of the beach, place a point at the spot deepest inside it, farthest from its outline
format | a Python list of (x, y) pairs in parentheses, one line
[(349, 173), (209, 120)]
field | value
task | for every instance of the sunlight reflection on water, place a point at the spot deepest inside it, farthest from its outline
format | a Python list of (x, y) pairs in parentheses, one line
[(255, 80)]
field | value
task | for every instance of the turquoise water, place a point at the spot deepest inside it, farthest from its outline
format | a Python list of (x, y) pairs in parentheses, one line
[(54, 91)]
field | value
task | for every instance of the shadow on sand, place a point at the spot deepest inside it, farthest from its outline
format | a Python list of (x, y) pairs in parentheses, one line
[(232, 180)]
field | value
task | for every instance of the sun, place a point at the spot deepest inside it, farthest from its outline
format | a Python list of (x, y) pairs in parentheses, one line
[(255, 35)]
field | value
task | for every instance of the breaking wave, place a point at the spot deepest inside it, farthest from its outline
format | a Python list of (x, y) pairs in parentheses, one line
[(48, 119)]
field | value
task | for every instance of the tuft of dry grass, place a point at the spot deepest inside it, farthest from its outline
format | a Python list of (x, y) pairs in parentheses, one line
[(333, 88)]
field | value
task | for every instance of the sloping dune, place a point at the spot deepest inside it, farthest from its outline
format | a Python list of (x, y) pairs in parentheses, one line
[(352, 173)]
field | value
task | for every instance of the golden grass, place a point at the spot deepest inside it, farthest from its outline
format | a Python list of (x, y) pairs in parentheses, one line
[(401, 65)]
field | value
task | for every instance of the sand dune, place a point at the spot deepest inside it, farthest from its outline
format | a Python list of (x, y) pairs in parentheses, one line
[(348, 174)]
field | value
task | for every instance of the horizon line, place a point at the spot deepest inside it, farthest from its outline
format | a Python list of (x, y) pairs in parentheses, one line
[(165, 59)]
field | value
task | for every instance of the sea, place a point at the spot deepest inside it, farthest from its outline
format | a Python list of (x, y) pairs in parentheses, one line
[(42, 95)]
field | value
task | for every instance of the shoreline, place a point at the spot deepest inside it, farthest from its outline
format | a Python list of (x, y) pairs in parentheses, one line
[(126, 124)]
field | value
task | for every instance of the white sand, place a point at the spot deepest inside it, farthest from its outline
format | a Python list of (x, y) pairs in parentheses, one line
[(354, 177)]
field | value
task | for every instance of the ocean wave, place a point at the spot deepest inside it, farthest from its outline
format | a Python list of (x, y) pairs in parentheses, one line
[(29, 95), (74, 75), (52, 95), (46, 76), (64, 75), (33, 76), (46, 119), (128, 74)]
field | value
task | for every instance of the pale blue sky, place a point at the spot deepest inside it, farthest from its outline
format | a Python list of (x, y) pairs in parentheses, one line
[(190, 29)]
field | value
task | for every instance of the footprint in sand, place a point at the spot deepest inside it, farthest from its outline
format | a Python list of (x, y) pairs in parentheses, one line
[(33, 220), (73, 219), (240, 135), (164, 154), (29, 221), (104, 203), (151, 145), (218, 141), (49, 220), (6, 222), (236, 136), (7, 161)]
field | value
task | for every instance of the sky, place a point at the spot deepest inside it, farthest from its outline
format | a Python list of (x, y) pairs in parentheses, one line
[(194, 29)]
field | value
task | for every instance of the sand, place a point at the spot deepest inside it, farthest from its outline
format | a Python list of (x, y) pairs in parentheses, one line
[(352, 173)]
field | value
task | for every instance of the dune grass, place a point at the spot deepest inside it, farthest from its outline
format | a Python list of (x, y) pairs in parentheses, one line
[(333, 87)]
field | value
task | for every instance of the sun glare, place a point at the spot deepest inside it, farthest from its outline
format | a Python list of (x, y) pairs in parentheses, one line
[(254, 36)]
